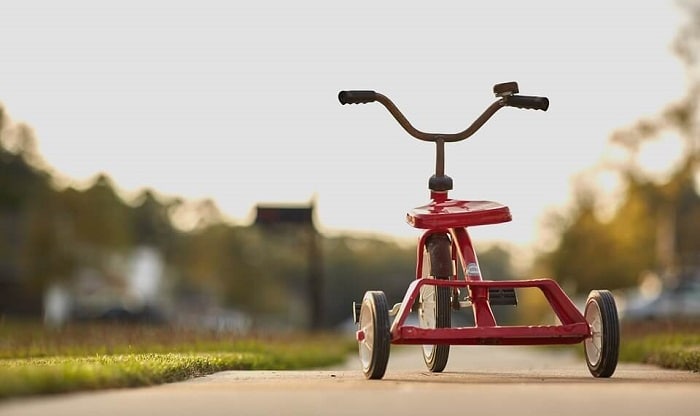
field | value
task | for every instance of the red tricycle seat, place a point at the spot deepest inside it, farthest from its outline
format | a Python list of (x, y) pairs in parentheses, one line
[(453, 213)]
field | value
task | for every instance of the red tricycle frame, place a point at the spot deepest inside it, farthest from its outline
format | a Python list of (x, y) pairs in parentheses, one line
[(444, 245), (486, 331)]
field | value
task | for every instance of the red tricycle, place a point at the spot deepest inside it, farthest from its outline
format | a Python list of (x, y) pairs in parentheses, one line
[(440, 289)]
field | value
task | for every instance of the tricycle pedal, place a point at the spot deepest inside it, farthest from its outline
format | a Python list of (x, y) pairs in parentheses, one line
[(502, 296)]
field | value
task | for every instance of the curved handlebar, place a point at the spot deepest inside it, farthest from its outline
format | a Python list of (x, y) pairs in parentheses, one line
[(357, 97), (524, 101), (505, 99)]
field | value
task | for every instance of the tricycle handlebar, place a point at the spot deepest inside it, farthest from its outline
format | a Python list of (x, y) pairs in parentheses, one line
[(527, 102), (357, 97), (507, 93)]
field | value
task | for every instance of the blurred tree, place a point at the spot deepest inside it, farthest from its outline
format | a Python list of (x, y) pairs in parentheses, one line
[(495, 262), (356, 265), (48, 234), (23, 190), (20, 180), (656, 227), (596, 254), (99, 216), (150, 220), (49, 253), (675, 203)]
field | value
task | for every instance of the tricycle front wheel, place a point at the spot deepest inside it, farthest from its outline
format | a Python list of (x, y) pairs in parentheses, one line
[(435, 305)]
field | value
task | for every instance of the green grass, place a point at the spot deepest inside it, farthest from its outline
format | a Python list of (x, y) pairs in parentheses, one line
[(34, 360), (63, 374), (666, 344)]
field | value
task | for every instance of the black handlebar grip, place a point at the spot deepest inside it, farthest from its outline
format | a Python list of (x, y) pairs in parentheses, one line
[(357, 97), (530, 103)]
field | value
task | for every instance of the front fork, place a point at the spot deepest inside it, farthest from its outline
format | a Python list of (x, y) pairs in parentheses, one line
[(445, 248), (440, 261)]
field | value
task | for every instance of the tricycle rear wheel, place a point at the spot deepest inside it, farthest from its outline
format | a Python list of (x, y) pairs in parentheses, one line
[(602, 348), (374, 338)]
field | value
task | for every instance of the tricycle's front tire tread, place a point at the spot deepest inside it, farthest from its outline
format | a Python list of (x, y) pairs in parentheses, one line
[(437, 361), (439, 249)]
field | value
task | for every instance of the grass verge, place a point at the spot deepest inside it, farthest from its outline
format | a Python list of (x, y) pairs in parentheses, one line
[(88, 357), (63, 374), (36, 361), (666, 344)]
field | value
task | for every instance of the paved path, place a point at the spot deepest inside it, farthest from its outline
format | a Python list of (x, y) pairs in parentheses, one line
[(478, 380)]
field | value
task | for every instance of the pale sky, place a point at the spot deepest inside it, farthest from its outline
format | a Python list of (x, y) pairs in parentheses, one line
[(236, 100)]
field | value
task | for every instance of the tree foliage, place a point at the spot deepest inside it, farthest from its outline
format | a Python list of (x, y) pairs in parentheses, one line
[(49, 234), (657, 224)]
